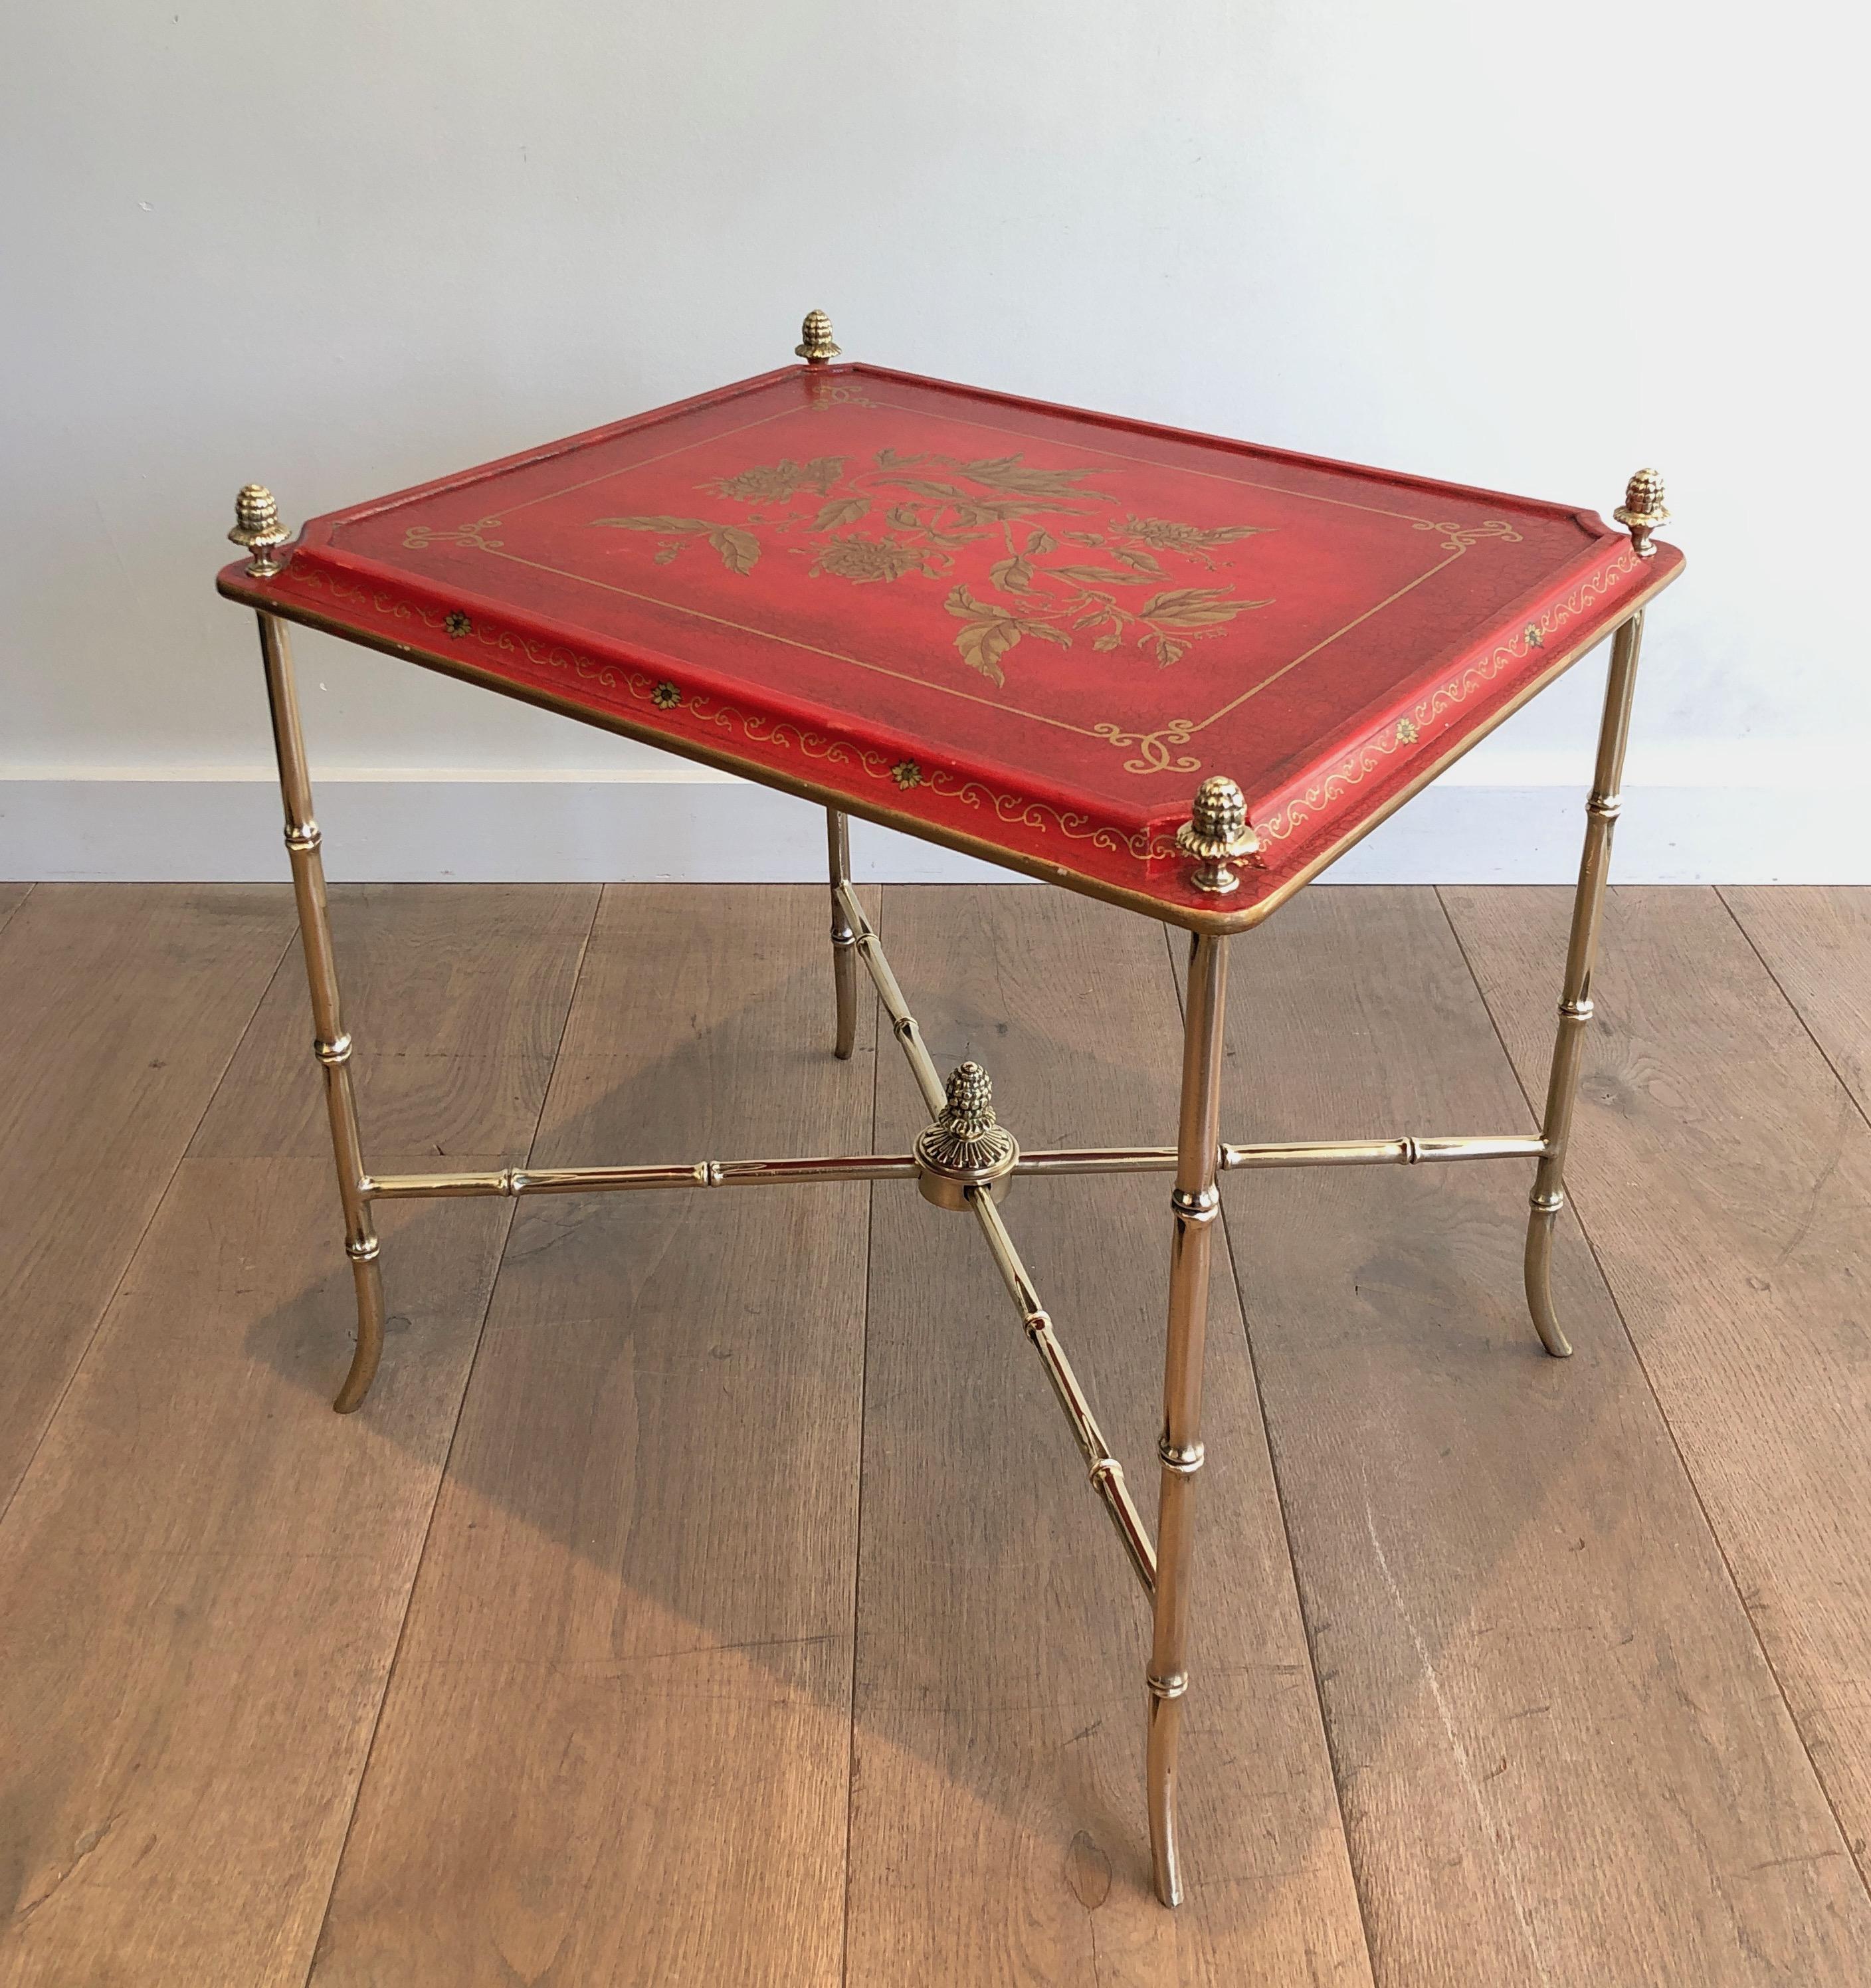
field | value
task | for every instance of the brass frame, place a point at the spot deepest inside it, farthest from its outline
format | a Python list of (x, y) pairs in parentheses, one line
[(965, 1161)]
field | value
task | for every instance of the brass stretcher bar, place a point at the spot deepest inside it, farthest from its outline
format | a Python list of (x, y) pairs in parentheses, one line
[(964, 1160), (903, 1166), (853, 934)]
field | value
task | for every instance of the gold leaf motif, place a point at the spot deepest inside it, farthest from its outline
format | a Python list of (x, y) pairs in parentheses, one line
[(1101, 576), (982, 643), (1194, 607), (739, 550), (1161, 532), (1041, 541), (1012, 575), (924, 488), (1027, 479), (841, 510)]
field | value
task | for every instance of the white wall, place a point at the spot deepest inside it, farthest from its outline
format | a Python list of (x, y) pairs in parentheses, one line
[(343, 247)]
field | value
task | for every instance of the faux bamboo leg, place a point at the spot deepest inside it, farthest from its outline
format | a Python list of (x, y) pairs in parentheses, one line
[(1575, 1001), (1195, 1203), (330, 1045), (843, 940)]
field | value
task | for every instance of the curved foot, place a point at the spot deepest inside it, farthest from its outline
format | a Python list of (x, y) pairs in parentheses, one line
[(370, 1333), (1539, 1265), (1166, 1862)]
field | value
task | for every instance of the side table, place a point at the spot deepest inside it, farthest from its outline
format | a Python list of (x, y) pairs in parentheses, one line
[(1180, 673)]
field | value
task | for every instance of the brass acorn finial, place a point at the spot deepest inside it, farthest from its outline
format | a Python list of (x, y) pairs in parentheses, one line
[(815, 347), (969, 1111), (966, 1146), (257, 527), (1642, 513), (1217, 834)]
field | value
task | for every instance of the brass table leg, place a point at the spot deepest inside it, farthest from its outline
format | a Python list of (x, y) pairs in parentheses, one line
[(330, 1044), (843, 940), (1548, 1194), (1195, 1203)]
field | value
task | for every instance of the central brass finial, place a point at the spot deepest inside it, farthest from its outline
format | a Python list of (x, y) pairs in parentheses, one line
[(257, 527), (1642, 513), (969, 1112), (967, 1146), (1217, 834), (815, 347)]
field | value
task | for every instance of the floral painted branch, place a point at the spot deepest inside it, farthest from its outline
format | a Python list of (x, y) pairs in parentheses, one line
[(1061, 580)]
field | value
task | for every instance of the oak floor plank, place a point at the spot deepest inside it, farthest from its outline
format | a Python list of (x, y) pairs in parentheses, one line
[(204, 1574), (201, 1580), (1724, 1174), (1817, 944), (615, 1747), (1563, 1758), (455, 995), (998, 1823), (122, 1006), (614, 1744), (12, 897)]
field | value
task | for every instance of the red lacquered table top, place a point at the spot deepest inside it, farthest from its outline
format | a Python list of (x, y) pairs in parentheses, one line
[(1014, 628)]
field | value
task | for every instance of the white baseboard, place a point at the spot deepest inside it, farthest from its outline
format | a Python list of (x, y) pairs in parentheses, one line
[(682, 824)]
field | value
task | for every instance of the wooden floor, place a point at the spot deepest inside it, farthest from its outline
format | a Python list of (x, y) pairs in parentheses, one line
[(708, 1593)]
